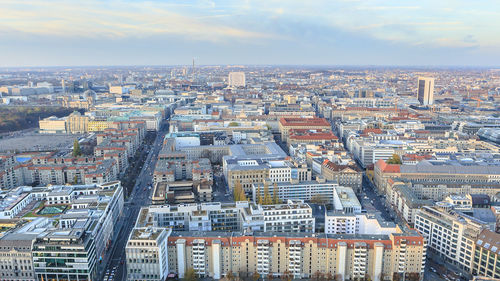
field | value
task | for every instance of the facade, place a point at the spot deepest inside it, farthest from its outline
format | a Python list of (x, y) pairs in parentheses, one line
[(77, 123), (342, 257), (146, 253), (98, 125), (425, 94)]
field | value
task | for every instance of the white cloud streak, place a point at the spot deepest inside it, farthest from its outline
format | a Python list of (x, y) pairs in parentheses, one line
[(115, 19)]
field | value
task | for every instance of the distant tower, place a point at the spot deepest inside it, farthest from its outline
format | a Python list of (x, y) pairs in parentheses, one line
[(63, 85), (425, 92), (192, 71)]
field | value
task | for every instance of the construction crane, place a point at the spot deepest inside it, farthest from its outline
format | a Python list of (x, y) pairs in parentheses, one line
[(478, 101)]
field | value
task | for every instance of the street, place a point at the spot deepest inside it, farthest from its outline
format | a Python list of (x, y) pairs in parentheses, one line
[(139, 197)]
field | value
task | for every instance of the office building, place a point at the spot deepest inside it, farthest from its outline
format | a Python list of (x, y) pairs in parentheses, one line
[(425, 94), (146, 253), (450, 234), (65, 254)]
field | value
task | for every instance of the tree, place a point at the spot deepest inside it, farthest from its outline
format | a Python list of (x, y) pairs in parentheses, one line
[(242, 196), (75, 179), (275, 194), (190, 275), (286, 276), (237, 191), (230, 276), (76, 149), (233, 124), (337, 277), (329, 277), (255, 276), (267, 196), (396, 276), (318, 276), (413, 276), (260, 200), (395, 159)]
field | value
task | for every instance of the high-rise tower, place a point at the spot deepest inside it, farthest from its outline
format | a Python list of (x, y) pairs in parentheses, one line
[(425, 92)]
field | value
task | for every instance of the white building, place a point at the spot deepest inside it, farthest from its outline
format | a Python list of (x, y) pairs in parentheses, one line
[(146, 252), (239, 216), (341, 223), (236, 79), (450, 234), (305, 190)]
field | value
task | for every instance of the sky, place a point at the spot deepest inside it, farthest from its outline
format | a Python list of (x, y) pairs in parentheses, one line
[(260, 32)]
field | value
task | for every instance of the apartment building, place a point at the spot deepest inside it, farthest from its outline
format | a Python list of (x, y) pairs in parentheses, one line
[(344, 257), (486, 261), (146, 254), (450, 234)]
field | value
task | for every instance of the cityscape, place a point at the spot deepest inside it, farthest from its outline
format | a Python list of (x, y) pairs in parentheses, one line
[(232, 170)]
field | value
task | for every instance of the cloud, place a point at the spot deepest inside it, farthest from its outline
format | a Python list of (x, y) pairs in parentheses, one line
[(95, 19)]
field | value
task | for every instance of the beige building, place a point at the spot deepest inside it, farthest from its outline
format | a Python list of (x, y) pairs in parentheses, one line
[(97, 125), (52, 125), (487, 255), (430, 172), (77, 123), (345, 175), (15, 257), (343, 257)]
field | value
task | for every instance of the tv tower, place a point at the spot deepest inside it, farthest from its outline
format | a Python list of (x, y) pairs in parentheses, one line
[(192, 72)]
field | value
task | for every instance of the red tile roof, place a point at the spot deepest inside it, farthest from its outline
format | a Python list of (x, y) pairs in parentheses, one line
[(388, 168)]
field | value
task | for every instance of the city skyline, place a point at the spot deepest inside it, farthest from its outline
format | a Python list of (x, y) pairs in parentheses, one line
[(96, 33)]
